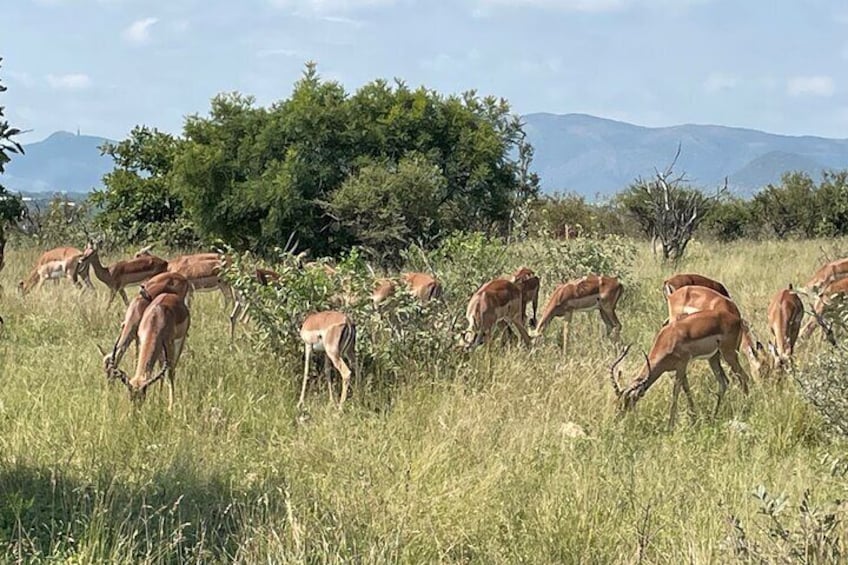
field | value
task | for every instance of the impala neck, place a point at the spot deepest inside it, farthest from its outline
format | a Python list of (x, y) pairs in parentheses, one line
[(100, 271)]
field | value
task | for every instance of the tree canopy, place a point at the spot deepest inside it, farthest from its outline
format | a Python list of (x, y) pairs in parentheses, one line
[(381, 167)]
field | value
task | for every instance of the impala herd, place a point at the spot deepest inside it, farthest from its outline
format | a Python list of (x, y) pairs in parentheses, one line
[(703, 320)]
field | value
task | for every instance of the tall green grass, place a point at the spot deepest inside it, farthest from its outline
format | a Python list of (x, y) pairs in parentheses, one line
[(475, 465)]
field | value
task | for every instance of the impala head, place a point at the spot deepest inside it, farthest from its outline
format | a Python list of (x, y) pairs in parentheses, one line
[(627, 397), (136, 387)]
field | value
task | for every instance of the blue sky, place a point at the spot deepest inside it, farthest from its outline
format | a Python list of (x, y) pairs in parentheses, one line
[(106, 65)]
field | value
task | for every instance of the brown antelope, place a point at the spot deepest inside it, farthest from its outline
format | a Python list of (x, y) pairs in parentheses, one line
[(833, 293), (588, 293), (161, 334), (422, 286), (496, 301), (163, 283), (203, 272), (333, 334), (691, 279), (264, 277), (691, 299), (122, 273), (712, 335), (529, 283), (55, 264), (785, 312), (828, 273)]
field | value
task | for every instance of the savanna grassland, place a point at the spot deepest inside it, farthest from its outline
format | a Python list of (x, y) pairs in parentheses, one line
[(475, 464)]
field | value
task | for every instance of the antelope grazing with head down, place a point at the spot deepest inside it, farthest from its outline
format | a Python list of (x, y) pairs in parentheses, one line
[(122, 273), (827, 274), (163, 283), (681, 280), (690, 299), (702, 335), (333, 334), (785, 313), (161, 333), (424, 287), (56, 264), (496, 301), (594, 292)]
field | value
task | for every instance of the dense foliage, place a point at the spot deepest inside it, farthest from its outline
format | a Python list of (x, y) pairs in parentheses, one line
[(11, 207), (382, 167)]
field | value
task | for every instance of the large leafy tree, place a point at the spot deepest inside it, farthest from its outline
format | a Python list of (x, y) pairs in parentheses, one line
[(381, 167), (139, 203), (11, 206)]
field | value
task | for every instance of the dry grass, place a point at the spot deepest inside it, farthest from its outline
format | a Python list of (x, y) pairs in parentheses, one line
[(474, 466)]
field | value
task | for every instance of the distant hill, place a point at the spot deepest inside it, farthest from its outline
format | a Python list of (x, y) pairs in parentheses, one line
[(574, 152), (62, 162), (590, 155)]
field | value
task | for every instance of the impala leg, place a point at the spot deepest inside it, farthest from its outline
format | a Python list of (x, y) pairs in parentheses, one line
[(732, 359), (672, 416), (345, 372), (721, 377), (307, 354), (566, 322), (112, 294), (518, 326), (124, 296), (684, 382), (611, 321)]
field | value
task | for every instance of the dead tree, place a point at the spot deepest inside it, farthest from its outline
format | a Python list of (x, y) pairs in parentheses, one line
[(670, 210)]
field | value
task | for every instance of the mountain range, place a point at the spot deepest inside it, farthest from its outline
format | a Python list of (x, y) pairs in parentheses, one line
[(578, 153)]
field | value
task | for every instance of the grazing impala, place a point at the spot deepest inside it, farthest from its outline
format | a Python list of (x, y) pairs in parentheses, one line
[(122, 273), (55, 264), (529, 283), (691, 299), (333, 334), (588, 293), (422, 286), (701, 335), (834, 293), (785, 313), (163, 283), (827, 274), (203, 273), (161, 334), (691, 279), (496, 301)]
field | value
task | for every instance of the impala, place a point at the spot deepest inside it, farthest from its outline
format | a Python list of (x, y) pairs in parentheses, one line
[(333, 334), (827, 274), (691, 299), (264, 277), (161, 334), (203, 272), (122, 273), (833, 294), (496, 301), (424, 287), (691, 279), (163, 283), (55, 264), (701, 335), (529, 284), (785, 313), (588, 293)]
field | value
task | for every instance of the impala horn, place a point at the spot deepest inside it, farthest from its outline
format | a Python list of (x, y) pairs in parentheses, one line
[(615, 378)]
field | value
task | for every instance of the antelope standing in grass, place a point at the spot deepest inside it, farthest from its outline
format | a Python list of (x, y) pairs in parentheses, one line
[(785, 313), (333, 334), (496, 301), (123, 273), (712, 335), (161, 333), (56, 264)]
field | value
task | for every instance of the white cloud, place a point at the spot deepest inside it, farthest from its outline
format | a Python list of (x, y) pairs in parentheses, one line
[(70, 81), (815, 85), (139, 30), (718, 82), (324, 6), (483, 7)]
